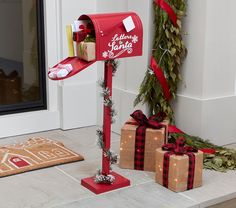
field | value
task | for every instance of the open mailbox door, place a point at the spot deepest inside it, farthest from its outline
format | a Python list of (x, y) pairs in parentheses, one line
[(117, 35)]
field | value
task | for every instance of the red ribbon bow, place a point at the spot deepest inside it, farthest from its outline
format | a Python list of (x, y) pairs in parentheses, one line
[(179, 149), (79, 36), (151, 122), (85, 29)]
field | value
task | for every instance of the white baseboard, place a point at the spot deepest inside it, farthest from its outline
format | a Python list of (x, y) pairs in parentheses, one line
[(78, 105), (30, 122)]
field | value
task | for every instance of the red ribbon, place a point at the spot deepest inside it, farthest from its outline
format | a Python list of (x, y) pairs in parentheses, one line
[(161, 78), (85, 29), (174, 130), (143, 123), (179, 149), (208, 151), (79, 36), (167, 8)]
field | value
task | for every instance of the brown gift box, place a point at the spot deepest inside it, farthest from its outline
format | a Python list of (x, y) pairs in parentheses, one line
[(86, 51), (154, 139), (178, 170)]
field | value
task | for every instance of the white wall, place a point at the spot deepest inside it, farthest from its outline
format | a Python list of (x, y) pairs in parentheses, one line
[(206, 102), (77, 94)]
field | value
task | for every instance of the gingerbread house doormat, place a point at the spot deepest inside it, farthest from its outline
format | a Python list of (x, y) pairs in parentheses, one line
[(35, 153)]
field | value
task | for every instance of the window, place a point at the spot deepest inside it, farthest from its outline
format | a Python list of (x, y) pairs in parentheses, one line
[(22, 58)]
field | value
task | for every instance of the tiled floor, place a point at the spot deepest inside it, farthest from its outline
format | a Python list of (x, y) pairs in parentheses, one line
[(59, 187)]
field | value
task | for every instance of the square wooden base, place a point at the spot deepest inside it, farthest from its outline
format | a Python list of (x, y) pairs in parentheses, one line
[(120, 182)]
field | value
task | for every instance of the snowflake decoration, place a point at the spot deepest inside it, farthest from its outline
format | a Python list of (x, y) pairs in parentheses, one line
[(135, 39), (105, 54)]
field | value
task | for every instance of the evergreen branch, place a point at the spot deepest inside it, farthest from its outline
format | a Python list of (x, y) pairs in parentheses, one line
[(169, 52), (224, 159)]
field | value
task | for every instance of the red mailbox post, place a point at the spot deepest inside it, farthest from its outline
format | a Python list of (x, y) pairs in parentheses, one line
[(118, 35)]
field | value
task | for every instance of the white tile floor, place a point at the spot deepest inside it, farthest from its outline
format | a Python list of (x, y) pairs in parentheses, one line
[(59, 187)]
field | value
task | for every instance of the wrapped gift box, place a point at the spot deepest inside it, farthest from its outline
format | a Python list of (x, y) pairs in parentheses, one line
[(140, 156), (86, 51), (176, 173)]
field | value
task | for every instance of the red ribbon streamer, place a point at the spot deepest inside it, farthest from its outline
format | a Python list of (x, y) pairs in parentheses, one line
[(179, 149), (161, 78), (208, 151), (167, 8), (173, 129)]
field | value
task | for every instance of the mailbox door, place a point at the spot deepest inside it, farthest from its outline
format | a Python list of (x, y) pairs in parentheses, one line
[(112, 39)]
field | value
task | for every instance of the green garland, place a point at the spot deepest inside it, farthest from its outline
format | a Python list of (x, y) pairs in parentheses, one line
[(107, 100), (169, 52), (224, 159)]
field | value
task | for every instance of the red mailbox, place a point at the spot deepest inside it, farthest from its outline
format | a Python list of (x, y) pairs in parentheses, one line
[(117, 35), (112, 39)]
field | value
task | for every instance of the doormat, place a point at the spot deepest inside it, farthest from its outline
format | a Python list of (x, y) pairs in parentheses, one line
[(35, 153)]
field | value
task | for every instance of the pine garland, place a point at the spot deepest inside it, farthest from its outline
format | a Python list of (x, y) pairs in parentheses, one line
[(105, 179), (99, 177), (169, 51)]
